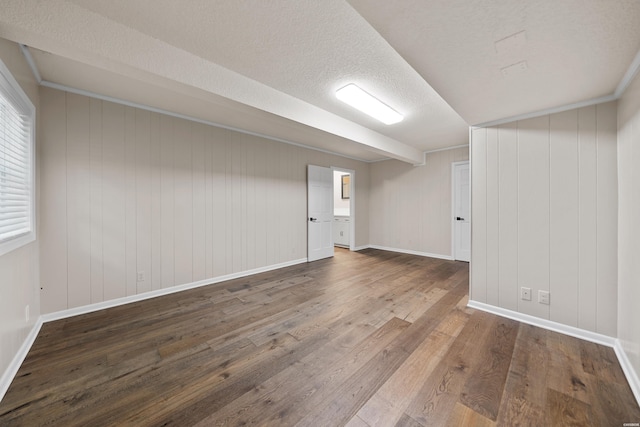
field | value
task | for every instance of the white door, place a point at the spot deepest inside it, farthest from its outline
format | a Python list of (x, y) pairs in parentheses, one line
[(320, 212), (461, 212)]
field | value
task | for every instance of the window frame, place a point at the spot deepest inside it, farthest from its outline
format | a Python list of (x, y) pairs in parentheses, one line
[(11, 90)]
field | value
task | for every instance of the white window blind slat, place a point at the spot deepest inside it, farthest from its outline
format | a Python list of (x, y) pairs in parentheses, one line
[(14, 165), (13, 151), (16, 168)]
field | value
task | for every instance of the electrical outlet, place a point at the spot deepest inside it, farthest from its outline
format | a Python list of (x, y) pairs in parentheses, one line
[(525, 293), (543, 297), (140, 276)]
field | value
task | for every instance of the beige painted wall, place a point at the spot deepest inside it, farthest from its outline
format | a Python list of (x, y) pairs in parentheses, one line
[(545, 216), (125, 191), (411, 206), (628, 226), (19, 268)]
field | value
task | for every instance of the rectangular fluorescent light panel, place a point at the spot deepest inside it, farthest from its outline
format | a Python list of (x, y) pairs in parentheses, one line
[(361, 100)]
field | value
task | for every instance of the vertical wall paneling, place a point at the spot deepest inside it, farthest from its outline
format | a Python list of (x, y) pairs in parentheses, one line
[(587, 217), (143, 197), (228, 198), (628, 333), (280, 217), (208, 188), (533, 212), (166, 202), (244, 227), (250, 208), (492, 217), (445, 215), (97, 270), (260, 188), (220, 205), (53, 201), (183, 206), (130, 199), (199, 225), (114, 193), (607, 233), (478, 285), (411, 207), (135, 201), (78, 192), (547, 192), (234, 202), (564, 217), (155, 274), (508, 216), (273, 239)]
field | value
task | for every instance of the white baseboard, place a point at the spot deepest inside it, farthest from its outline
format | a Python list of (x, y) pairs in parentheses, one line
[(9, 374), (410, 252), (625, 363), (545, 324), (361, 248), (63, 314), (627, 368)]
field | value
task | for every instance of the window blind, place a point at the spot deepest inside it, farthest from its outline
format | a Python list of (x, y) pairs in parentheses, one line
[(16, 186)]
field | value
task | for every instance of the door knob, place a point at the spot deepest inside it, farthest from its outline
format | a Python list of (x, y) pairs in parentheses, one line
[(459, 219), (313, 219)]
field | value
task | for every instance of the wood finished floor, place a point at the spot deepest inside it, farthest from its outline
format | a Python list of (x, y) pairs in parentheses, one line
[(364, 339)]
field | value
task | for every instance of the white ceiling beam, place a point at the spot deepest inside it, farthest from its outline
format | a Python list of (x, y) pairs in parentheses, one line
[(46, 26)]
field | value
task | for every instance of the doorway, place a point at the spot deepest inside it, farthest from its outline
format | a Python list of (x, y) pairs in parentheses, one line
[(342, 191), (461, 189), (325, 186)]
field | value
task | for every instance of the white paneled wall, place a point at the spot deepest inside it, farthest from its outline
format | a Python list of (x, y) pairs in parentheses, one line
[(127, 191), (18, 268), (411, 206), (544, 216), (629, 227)]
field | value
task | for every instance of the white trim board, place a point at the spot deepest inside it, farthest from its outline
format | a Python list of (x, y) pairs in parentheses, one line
[(627, 368), (9, 374), (545, 324), (625, 363), (63, 314), (411, 252)]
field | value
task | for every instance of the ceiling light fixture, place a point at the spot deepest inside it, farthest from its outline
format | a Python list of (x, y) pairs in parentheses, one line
[(368, 104)]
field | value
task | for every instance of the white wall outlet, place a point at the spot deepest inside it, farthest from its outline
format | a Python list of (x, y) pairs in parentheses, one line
[(141, 276), (525, 293), (26, 313), (543, 297)]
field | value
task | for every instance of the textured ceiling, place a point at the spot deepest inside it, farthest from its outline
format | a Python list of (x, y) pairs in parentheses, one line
[(272, 68), (573, 50)]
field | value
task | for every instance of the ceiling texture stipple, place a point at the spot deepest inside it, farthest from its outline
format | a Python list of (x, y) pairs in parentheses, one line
[(272, 68)]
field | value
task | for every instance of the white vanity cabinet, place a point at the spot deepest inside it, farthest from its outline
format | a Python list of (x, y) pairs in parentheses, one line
[(341, 228)]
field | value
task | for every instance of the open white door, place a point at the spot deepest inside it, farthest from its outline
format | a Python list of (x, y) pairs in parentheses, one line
[(320, 212), (461, 212)]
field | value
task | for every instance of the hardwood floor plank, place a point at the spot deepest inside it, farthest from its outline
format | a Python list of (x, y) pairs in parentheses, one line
[(436, 399), (407, 421), (483, 389), (465, 416), (388, 404), (525, 394), (356, 422), (567, 411), (614, 402), (311, 379), (600, 360), (367, 338)]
